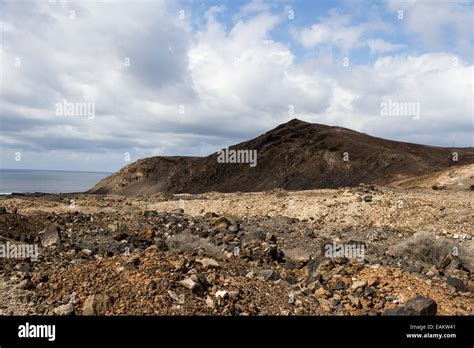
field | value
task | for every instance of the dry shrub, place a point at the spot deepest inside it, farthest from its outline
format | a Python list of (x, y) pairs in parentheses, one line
[(188, 243), (424, 247)]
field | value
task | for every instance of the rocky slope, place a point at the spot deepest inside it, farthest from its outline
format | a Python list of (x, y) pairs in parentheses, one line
[(455, 178), (241, 253), (295, 156)]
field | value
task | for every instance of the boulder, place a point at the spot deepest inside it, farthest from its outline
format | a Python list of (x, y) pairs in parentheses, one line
[(417, 306), (266, 274), (50, 236), (66, 309), (296, 256), (456, 283), (96, 305)]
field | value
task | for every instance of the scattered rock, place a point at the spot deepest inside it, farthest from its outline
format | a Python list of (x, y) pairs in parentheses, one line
[(149, 261), (271, 238), (97, 304), (221, 297), (221, 293), (188, 283), (85, 253), (373, 281), (119, 235), (367, 198), (66, 309), (173, 295), (25, 284), (208, 263), (210, 302), (297, 256), (418, 306), (255, 236), (161, 245), (209, 215), (456, 283), (358, 284), (321, 292), (234, 228), (50, 236), (265, 274)]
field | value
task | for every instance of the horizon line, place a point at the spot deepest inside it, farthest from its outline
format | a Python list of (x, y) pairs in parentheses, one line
[(56, 170)]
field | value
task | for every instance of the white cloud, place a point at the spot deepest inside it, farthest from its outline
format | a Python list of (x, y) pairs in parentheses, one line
[(440, 84), (335, 30), (382, 46), (244, 74), (436, 23), (255, 6), (233, 83)]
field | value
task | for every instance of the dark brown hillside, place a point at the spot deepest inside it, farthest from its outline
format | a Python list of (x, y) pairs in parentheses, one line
[(295, 156)]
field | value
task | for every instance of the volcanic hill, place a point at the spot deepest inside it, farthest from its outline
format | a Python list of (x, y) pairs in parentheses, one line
[(294, 156)]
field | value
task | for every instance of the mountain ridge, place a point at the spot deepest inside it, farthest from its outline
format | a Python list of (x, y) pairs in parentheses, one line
[(295, 155)]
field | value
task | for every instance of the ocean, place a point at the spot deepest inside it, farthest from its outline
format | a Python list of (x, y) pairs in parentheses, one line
[(47, 181)]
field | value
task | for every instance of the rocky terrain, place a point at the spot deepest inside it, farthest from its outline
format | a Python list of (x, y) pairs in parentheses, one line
[(294, 156), (240, 253)]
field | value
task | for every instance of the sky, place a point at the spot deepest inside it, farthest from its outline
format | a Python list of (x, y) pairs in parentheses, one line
[(96, 85)]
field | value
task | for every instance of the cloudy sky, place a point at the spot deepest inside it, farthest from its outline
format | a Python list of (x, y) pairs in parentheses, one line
[(88, 85)]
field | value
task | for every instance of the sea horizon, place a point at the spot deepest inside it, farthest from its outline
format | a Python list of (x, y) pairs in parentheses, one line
[(54, 170), (47, 180)]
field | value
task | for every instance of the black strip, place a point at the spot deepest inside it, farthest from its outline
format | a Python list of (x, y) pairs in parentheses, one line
[(290, 331)]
